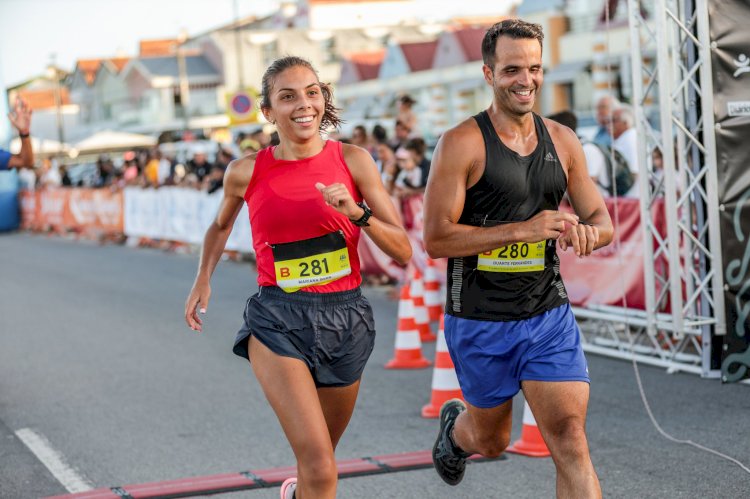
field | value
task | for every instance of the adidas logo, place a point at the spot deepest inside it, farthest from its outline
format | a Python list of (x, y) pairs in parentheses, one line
[(550, 157)]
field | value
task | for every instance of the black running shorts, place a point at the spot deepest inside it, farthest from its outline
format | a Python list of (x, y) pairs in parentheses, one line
[(333, 333)]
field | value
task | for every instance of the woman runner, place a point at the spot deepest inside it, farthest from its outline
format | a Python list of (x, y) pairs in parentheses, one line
[(308, 332)]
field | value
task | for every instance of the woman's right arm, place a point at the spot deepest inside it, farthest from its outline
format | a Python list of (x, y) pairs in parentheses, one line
[(236, 180)]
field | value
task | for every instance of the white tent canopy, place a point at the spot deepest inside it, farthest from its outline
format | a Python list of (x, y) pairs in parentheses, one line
[(110, 140)]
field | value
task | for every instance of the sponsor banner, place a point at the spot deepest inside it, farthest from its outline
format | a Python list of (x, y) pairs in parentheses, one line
[(81, 210), (177, 214), (730, 61)]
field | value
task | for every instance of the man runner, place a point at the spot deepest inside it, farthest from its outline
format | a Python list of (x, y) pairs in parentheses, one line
[(491, 206)]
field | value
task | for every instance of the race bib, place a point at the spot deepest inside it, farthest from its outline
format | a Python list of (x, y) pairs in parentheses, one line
[(311, 262), (516, 257)]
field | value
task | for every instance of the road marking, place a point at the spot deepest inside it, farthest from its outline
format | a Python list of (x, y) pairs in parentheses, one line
[(53, 460)]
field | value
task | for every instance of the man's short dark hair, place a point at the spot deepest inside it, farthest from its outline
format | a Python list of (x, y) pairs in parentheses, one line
[(513, 28)]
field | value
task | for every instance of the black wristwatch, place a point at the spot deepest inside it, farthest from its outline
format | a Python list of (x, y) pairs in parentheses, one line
[(362, 221)]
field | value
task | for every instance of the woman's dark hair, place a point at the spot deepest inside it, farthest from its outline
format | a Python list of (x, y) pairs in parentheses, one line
[(379, 132), (330, 114), (513, 28), (417, 144)]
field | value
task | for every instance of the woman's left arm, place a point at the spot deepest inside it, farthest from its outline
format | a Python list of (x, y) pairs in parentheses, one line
[(385, 227)]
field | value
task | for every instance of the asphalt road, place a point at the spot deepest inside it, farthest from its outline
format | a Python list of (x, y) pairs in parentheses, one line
[(95, 358)]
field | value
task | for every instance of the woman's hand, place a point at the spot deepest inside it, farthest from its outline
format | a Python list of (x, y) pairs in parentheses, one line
[(338, 197), (197, 302)]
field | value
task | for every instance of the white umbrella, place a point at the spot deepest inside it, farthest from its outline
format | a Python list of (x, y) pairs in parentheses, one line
[(110, 140)]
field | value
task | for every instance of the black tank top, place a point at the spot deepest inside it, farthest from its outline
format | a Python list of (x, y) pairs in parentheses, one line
[(510, 284)]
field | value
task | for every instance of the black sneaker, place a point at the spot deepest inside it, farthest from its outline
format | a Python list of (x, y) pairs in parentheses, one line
[(449, 460)]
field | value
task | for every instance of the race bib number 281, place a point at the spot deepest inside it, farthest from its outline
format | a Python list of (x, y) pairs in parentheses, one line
[(311, 262), (516, 257)]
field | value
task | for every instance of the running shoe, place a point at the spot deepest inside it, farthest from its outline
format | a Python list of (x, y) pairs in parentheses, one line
[(449, 460), (288, 488)]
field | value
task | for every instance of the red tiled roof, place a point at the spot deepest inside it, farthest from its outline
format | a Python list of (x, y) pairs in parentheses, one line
[(367, 64), (470, 40), (419, 55), (119, 62), (151, 48), (44, 98), (89, 67)]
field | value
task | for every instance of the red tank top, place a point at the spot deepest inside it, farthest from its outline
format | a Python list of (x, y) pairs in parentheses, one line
[(285, 206)]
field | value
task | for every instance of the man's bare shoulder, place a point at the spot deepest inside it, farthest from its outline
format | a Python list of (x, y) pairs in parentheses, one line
[(561, 135), (462, 144)]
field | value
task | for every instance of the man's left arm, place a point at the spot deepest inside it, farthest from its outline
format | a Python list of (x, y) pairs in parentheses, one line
[(596, 228)]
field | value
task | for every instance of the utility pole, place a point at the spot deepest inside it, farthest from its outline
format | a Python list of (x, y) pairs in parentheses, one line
[(238, 47), (54, 73), (184, 82)]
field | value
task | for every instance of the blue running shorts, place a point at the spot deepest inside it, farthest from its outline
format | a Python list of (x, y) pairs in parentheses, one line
[(492, 358)]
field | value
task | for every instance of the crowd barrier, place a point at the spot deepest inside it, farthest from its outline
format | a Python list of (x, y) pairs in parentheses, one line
[(610, 276)]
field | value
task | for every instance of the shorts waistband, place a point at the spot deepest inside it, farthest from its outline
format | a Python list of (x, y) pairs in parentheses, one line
[(311, 298)]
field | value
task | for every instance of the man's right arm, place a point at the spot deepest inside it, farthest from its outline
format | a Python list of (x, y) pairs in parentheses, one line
[(456, 160)]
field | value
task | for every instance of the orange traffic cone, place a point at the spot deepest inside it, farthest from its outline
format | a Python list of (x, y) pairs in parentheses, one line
[(420, 311), (433, 298), (531, 442), (444, 381), (408, 351)]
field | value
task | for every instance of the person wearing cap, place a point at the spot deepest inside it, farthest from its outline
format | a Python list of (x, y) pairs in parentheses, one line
[(20, 118)]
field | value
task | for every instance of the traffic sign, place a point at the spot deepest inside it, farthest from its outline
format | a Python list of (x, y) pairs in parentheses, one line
[(242, 106)]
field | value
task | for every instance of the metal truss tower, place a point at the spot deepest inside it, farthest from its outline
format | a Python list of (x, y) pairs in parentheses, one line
[(673, 104)]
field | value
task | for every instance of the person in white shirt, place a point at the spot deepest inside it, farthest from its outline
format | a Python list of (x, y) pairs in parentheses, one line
[(624, 134)]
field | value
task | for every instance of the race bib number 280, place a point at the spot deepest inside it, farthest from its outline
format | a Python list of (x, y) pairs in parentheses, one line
[(516, 257), (311, 262)]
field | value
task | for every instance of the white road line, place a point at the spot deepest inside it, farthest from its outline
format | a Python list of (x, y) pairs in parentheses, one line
[(54, 462)]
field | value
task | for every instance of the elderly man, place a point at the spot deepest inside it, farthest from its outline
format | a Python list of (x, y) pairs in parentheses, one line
[(605, 106)]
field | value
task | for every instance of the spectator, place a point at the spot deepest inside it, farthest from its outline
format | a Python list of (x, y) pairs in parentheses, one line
[(261, 137), (624, 135), (20, 118), (199, 163), (409, 177), (50, 176), (379, 134), (406, 113), (104, 171), (64, 177), (605, 106), (402, 135), (386, 163), (417, 147)]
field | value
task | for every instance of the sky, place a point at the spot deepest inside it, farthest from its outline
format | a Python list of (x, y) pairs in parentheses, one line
[(31, 31)]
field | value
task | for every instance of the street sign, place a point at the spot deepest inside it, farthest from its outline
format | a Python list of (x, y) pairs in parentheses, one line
[(242, 106)]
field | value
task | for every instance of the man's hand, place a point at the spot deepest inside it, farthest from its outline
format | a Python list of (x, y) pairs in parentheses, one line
[(582, 238), (20, 116), (338, 197), (547, 224)]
